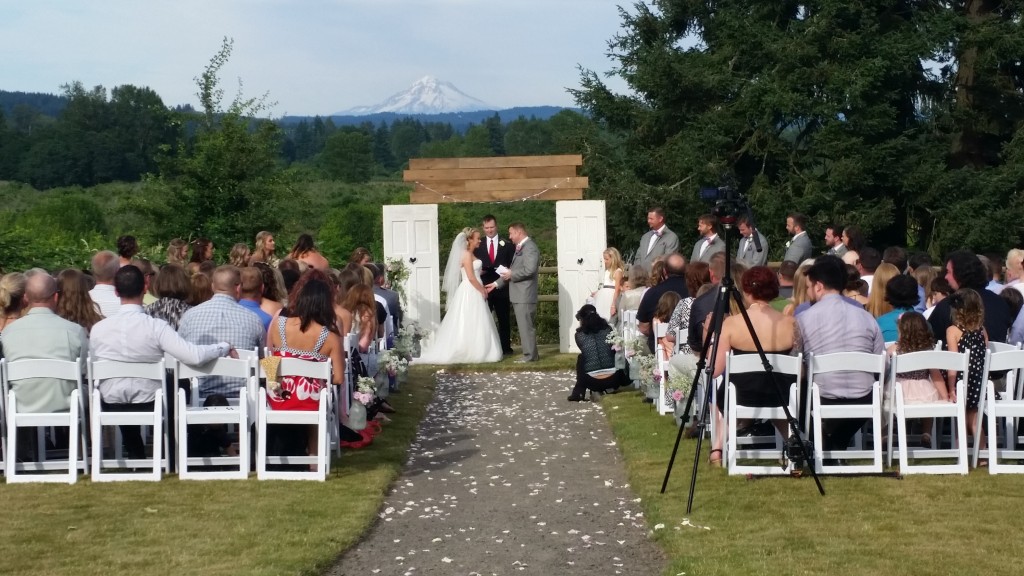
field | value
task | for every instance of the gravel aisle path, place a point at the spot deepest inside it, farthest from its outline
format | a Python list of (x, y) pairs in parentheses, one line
[(506, 477)]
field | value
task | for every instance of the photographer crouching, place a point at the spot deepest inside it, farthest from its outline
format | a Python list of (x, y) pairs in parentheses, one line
[(595, 366)]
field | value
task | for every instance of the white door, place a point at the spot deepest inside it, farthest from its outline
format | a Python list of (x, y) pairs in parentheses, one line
[(410, 233), (581, 240)]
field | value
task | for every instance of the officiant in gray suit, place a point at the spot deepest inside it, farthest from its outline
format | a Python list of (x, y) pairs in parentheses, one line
[(658, 242), (521, 279)]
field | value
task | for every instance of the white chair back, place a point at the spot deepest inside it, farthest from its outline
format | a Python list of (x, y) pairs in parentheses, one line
[(100, 370), (816, 411), (74, 419), (1008, 407), (929, 360), (318, 418), (736, 364)]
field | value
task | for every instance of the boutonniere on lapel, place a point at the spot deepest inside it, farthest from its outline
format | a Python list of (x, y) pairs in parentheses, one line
[(519, 249), (788, 242), (501, 243)]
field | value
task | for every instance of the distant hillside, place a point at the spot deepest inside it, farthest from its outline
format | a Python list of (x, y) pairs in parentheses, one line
[(459, 121), (45, 104)]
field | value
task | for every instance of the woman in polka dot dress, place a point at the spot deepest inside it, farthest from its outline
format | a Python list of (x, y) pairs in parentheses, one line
[(968, 333)]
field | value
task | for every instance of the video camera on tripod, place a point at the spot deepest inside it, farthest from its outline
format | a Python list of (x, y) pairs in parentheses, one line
[(729, 202)]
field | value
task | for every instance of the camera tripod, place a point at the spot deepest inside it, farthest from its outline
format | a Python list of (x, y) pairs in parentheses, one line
[(795, 449)]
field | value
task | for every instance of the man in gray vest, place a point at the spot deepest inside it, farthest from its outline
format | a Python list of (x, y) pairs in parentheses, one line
[(658, 242)]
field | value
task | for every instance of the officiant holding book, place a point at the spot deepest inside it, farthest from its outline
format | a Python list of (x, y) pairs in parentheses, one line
[(495, 254)]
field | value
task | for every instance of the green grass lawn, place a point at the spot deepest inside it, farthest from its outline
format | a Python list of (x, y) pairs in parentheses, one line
[(218, 527), (866, 525), (209, 527)]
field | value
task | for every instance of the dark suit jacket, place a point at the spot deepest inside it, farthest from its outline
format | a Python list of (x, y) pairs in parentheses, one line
[(502, 256)]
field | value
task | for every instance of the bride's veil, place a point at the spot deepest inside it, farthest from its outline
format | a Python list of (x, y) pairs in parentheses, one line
[(452, 278)]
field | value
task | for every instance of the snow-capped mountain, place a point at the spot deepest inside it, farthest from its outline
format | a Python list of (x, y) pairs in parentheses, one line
[(427, 96)]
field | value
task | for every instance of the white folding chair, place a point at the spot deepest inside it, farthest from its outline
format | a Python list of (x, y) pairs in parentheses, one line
[(73, 419), (318, 418), (736, 364), (100, 370), (928, 360), (873, 364), (661, 401), (1009, 407), (236, 414)]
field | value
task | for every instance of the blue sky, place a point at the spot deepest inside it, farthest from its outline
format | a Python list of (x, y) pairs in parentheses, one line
[(313, 57)]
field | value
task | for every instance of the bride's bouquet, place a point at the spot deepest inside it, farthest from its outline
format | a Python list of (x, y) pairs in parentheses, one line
[(365, 390)]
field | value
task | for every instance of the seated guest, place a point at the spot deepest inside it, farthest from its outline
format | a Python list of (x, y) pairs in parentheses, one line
[(251, 293), (774, 330), (133, 336), (392, 302), (148, 272), (104, 266), (222, 319), (878, 305), (290, 271), (361, 305), (1014, 272), (674, 281), (994, 266), (787, 270), (633, 289), (171, 288), (73, 301), (127, 248), (663, 313), (697, 275), (240, 255), (866, 264), (595, 366), (832, 325), (42, 334), (12, 298), (307, 330), (853, 239), (799, 296), (938, 290), (200, 289), (965, 270), (856, 288), (274, 295), (306, 253), (923, 385), (901, 294)]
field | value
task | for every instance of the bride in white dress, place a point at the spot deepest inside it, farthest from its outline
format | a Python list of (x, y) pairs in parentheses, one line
[(467, 333)]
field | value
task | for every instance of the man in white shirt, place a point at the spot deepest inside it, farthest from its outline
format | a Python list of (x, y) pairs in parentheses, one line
[(131, 335), (709, 243), (104, 265)]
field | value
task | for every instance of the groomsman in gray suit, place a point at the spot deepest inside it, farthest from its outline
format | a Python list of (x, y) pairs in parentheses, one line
[(709, 243), (746, 251), (659, 241), (521, 279), (799, 248)]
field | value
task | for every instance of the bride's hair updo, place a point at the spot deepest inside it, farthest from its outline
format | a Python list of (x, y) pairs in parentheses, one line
[(468, 232)]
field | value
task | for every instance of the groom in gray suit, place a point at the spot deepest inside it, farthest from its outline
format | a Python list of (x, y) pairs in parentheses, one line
[(521, 279)]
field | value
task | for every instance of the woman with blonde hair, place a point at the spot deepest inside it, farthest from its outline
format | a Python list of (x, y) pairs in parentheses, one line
[(177, 252), (657, 273), (12, 293), (265, 250), (74, 303), (240, 255), (877, 304), (800, 295), (607, 294)]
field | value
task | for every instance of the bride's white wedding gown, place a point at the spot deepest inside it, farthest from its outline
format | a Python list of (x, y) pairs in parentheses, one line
[(467, 334)]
